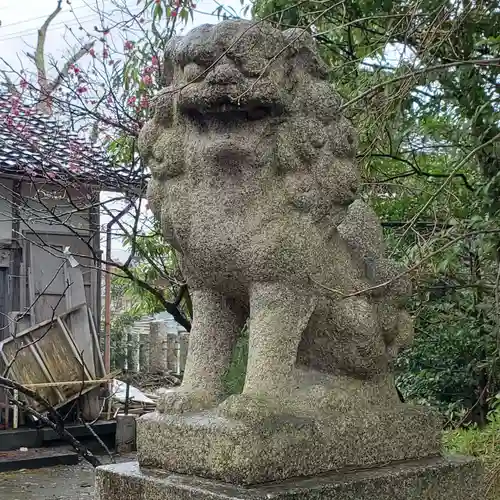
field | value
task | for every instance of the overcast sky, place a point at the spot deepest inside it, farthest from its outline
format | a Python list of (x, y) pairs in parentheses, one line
[(20, 20)]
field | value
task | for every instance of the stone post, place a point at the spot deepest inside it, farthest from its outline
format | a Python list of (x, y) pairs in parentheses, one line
[(125, 437), (171, 352), (157, 342), (133, 350), (144, 351), (183, 350)]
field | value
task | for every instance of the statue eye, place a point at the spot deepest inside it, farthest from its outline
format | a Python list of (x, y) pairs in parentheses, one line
[(166, 170), (249, 64), (194, 72)]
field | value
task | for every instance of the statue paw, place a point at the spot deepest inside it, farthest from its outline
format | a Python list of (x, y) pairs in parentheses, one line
[(183, 400)]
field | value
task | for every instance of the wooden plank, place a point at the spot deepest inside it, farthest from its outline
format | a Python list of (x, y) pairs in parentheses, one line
[(42, 324), (3, 361), (48, 306), (31, 298), (35, 350), (15, 413), (95, 276), (18, 322), (75, 287), (7, 411), (77, 395), (73, 348), (60, 357), (47, 354), (78, 243), (91, 387), (85, 383), (24, 367), (77, 322), (4, 301), (47, 271), (99, 362), (17, 248), (23, 287), (4, 402)]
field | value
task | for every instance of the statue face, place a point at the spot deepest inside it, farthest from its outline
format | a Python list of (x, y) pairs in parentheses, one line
[(225, 93), (231, 75), (246, 98)]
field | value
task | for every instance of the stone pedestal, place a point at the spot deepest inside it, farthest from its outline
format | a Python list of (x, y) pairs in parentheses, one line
[(427, 479), (383, 454), (277, 447)]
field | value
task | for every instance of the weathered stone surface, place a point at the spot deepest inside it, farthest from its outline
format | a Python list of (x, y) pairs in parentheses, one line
[(280, 446), (158, 361), (254, 181), (430, 479)]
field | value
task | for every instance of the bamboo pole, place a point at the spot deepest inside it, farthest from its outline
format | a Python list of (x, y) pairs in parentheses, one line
[(73, 382), (15, 413)]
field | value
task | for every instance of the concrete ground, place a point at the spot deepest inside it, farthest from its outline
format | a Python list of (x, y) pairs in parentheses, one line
[(55, 483)]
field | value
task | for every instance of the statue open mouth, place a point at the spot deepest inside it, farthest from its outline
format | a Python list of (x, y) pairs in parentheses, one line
[(228, 110)]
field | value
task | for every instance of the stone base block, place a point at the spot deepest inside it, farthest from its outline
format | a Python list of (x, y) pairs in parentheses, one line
[(429, 479), (242, 452)]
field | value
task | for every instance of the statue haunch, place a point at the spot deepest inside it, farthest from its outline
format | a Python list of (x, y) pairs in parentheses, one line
[(255, 184)]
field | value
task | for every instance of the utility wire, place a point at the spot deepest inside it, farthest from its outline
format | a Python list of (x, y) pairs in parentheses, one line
[(70, 22), (17, 23)]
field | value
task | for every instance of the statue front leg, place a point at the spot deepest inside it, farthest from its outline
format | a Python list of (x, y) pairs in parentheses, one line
[(216, 325), (279, 314)]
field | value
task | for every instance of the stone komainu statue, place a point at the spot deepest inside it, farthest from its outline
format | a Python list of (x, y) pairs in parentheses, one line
[(255, 184)]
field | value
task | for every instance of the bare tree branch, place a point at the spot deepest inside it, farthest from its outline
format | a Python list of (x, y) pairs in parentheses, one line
[(70, 62), (82, 450), (39, 59), (9, 84), (47, 88)]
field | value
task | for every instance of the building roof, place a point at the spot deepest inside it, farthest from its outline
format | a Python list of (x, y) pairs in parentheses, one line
[(36, 146)]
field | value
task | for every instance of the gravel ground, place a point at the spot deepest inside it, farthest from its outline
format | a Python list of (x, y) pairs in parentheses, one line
[(55, 483)]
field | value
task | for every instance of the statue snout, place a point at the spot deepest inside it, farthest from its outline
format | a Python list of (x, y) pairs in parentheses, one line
[(224, 74)]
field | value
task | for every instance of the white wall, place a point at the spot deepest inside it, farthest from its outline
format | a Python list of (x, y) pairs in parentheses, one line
[(5, 211)]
